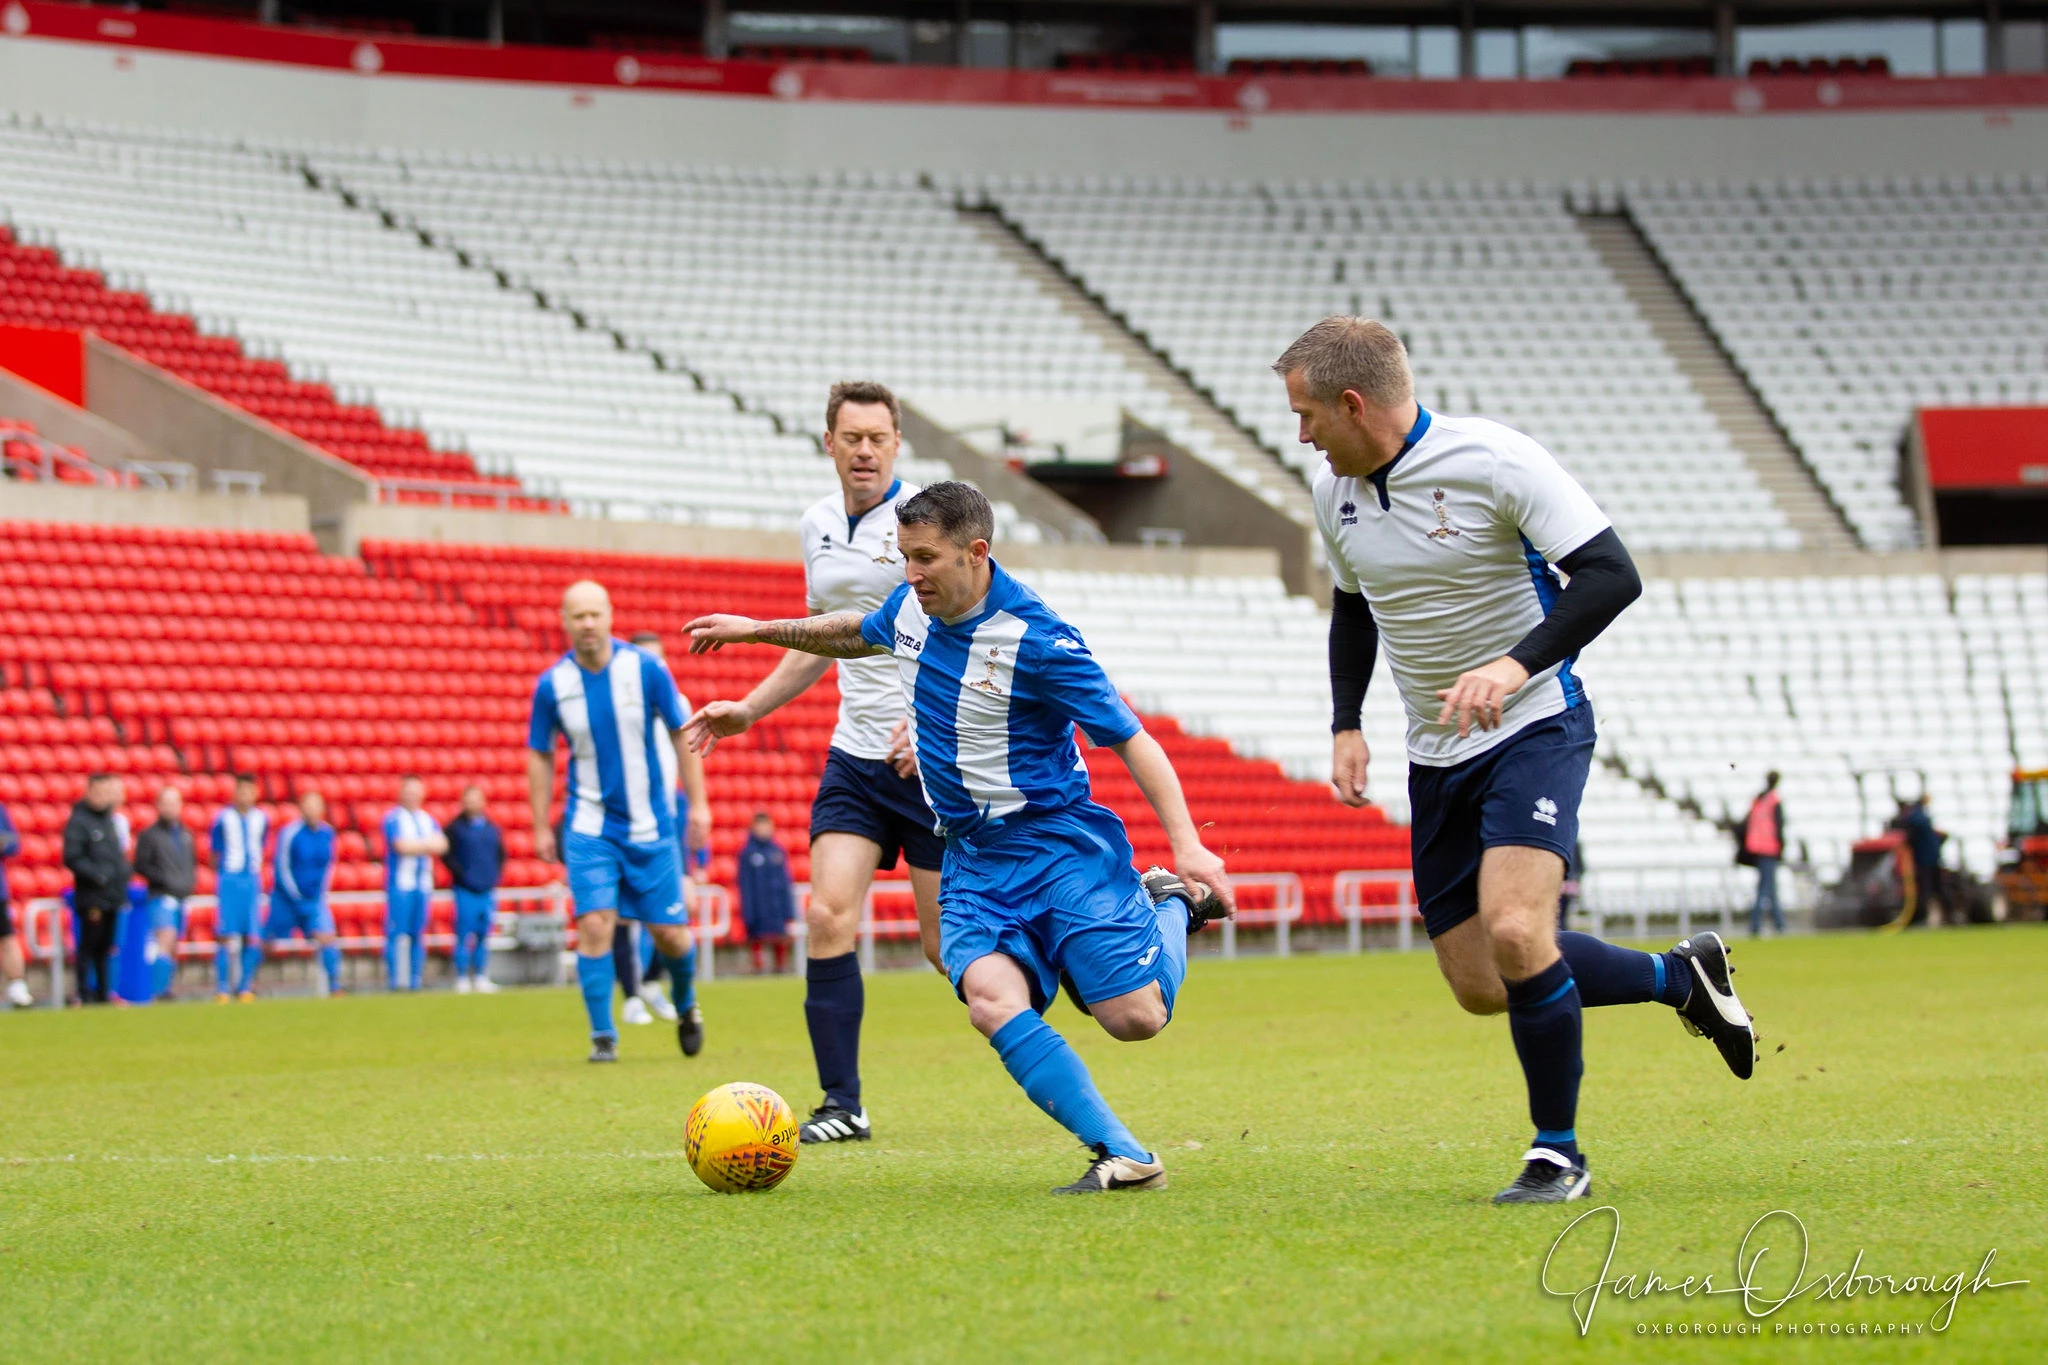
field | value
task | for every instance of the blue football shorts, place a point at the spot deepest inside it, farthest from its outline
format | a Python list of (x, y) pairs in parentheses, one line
[(307, 917), (166, 912), (474, 910), (235, 916), (1054, 891), (405, 914), (1524, 791), (640, 881)]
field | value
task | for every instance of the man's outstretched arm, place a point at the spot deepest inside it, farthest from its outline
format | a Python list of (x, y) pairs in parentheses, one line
[(835, 635), (1153, 771)]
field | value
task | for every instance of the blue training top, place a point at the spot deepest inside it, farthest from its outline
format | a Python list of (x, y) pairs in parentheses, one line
[(996, 697), (304, 861)]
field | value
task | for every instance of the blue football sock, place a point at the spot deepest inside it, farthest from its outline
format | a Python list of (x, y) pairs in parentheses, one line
[(223, 967), (419, 959), (330, 963), (1544, 1016), (392, 980), (1173, 938), (682, 977), (834, 1001), (252, 958), (595, 976), (161, 973), (1057, 1080), (458, 958)]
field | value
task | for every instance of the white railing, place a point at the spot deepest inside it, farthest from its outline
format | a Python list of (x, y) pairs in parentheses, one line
[(44, 923), (1348, 889), (1718, 895), (1282, 914)]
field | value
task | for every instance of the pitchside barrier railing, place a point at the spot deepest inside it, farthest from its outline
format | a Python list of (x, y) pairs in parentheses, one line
[(46, 939), (1348, 893), (1719, 895), (1284, 891)]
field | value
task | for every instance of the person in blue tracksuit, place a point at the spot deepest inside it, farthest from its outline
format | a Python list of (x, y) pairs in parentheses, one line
[(236, 840), (476, 860), (767, 900), (302, 871)]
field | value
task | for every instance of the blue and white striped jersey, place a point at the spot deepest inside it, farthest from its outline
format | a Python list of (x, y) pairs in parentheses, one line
[(304, 861), (407, 871), (996, 696), (237, 841), (622, 760)]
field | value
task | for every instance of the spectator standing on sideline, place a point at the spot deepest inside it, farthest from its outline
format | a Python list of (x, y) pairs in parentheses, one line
[(411, 843), (236, 840), (767, 900), (96, 855), (166, 861), (1924, 843), (12, 968), (476, 859), (1763, 845)]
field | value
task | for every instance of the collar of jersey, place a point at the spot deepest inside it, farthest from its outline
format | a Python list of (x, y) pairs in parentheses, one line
[(1415, 433), (853, 518), (999, 591)]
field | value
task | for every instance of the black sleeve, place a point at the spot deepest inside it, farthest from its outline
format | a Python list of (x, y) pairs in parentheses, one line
[(1354, 648), (1603, 581)]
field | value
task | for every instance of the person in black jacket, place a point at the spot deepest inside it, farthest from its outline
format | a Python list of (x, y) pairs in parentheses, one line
[(166, 860), (767, 900), (96, 855)]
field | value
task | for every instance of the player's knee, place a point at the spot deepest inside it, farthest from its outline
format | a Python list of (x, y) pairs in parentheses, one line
[(988, 1013), (1518, 933)]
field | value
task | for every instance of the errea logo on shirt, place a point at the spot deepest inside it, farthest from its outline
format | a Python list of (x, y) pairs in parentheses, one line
[(1347, 515), (1546, 810)]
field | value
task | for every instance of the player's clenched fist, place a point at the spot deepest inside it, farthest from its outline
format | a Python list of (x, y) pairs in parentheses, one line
[(1348, 759), (716, 720), (1479, 694)]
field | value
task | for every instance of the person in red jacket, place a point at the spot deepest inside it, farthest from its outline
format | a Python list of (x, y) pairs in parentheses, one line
[(1763, 841)]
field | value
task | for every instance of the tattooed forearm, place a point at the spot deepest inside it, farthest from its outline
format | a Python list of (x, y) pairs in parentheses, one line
[(835, 636)]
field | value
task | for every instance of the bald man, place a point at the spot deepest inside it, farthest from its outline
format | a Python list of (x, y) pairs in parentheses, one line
[(618, 710)]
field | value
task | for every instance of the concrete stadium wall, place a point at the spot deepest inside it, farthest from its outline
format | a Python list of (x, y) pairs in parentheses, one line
[(465, 526), (136, 86), (192, 425), (68, 425), (146, 507)]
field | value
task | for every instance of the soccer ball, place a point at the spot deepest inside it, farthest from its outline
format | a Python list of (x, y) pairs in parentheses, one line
[(741, 1137)]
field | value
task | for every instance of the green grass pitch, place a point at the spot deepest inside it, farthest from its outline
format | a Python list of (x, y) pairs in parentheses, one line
[(445, 1178)]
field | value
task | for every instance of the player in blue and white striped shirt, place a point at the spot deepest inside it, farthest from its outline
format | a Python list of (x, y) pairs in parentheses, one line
[(1037, 889), (618, 709), (411, 843), (236, 840)]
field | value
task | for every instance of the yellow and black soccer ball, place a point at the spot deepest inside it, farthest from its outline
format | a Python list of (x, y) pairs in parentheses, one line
[(741, 1137)]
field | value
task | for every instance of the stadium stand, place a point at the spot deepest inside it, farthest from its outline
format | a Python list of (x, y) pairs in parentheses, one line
[(241, 238), (1857, 688), (253, 652), (723, 273), (38, 289), (1850, 303), (1487, 283)]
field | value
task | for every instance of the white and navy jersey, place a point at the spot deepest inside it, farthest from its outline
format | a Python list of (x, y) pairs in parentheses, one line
[(1452, 545), (237, 841), (851, 564), (622, 759), (997, 695), (407, 871)]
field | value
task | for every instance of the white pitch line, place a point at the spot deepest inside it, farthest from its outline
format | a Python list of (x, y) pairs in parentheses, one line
[(327, 1159)]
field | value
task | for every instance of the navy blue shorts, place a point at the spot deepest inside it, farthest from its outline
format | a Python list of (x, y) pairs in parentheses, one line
[(1524, 792), (866, 796)]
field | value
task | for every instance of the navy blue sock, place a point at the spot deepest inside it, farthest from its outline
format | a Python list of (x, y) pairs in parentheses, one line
[(1543, 1015), (833, 1004), (1609, 974)]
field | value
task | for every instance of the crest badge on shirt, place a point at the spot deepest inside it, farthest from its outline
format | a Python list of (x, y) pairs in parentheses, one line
[(989, 683), (888, 555), (1443, 530)]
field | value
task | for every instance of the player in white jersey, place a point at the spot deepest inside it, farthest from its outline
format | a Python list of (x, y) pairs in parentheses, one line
[(1441, 533), (869, 806)]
